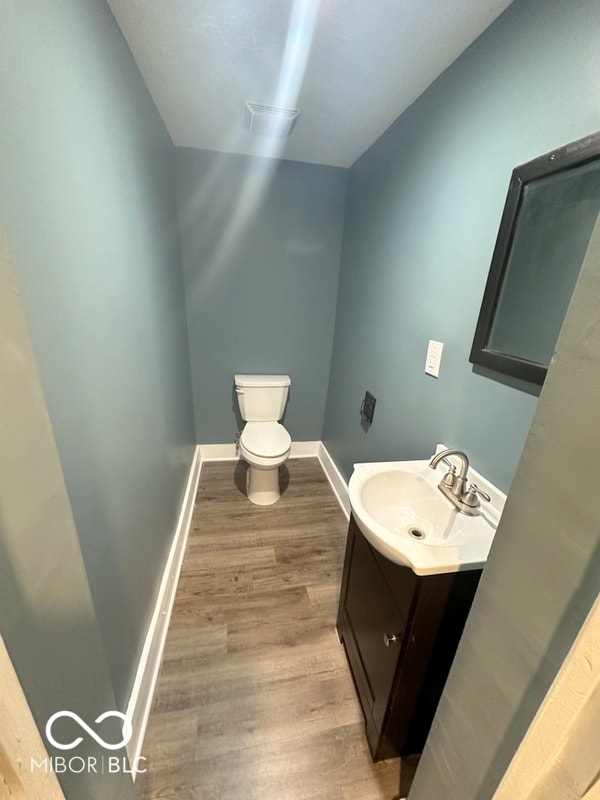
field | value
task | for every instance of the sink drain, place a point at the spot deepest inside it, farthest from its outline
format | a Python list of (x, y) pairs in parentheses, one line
[(416, 533)]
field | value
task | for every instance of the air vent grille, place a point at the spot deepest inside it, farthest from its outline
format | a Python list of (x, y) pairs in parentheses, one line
[(270, 121)]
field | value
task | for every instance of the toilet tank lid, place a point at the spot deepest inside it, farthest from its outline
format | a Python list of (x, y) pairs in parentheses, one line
[(262, 380)]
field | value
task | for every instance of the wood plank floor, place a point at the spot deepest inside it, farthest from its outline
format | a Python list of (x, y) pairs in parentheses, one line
[(255, 698)]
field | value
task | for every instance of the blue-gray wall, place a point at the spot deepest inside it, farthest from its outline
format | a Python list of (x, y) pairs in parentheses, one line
[(261, 248), (88, 202), (421, 222), (47, 618), (540, 581)]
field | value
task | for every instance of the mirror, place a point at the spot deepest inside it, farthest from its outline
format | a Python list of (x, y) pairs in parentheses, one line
[(551, 208)]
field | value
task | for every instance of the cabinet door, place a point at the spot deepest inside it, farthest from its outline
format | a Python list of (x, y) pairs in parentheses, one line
[(373, 614)]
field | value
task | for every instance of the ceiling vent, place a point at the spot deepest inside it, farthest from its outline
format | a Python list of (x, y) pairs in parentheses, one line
[(269, 120)]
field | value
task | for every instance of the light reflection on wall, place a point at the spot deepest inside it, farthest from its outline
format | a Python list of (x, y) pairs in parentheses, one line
[(207, 202)]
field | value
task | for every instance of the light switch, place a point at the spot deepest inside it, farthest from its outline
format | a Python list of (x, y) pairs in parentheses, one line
[(434, 358)]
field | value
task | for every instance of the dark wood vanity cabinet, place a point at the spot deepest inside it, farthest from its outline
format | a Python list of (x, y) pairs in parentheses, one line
[(400, 632)]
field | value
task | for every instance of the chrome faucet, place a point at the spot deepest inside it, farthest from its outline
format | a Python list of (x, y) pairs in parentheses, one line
[(454, 486)]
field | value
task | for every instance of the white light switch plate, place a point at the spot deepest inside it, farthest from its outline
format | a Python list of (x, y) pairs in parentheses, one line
[(434, 358)]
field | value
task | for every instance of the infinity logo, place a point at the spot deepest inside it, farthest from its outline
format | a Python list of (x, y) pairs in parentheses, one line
[(127, 730)]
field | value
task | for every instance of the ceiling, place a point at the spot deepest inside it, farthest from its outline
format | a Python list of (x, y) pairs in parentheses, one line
[(350, 66)]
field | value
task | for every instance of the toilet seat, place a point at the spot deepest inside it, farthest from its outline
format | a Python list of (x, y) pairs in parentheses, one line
[(266, 439)]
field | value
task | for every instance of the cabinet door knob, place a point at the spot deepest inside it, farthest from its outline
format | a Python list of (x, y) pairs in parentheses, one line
[(388, 640)]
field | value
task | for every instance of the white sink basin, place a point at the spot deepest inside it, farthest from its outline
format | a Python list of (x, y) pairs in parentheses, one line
[(402, 513)]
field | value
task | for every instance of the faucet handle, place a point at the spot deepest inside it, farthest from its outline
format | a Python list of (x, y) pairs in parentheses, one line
[(472, 495), (484, 495), (449, 478)]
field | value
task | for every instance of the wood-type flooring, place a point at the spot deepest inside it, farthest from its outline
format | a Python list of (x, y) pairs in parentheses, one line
[(255, 700)]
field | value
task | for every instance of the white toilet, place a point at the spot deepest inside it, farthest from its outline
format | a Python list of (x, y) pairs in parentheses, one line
[(264, 442)]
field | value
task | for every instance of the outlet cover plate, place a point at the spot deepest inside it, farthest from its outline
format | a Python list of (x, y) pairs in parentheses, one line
[(434, 358)]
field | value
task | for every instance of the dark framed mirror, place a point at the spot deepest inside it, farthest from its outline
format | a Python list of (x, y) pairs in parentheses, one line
[(551, 208)]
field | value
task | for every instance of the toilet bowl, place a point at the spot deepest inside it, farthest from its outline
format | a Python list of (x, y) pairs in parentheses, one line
[(265, 446), (264, 443)]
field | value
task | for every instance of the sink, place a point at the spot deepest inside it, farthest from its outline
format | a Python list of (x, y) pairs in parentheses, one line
[(410, 507), (402, 513)]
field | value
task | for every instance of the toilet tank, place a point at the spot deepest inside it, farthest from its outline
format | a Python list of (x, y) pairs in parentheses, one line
[(262, 398)]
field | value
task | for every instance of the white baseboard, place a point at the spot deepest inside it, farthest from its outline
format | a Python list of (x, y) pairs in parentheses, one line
[(229, 452), (218, 452), (305, 449), (140, 701), (335, 478)]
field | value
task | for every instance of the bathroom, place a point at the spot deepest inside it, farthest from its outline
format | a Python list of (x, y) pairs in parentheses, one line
[(360, 267)]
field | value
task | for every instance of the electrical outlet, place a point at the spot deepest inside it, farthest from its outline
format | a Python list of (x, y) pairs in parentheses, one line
[(434, 358)]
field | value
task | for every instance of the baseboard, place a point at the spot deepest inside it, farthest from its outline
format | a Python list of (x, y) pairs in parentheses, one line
[(305, 449), (229, 452), (218, 452), (140, 701), (335, 478)]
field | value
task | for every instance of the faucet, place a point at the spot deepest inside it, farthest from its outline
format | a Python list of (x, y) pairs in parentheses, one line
[(454, 486)]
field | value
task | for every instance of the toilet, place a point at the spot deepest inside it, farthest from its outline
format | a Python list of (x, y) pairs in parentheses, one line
[(264, 443)]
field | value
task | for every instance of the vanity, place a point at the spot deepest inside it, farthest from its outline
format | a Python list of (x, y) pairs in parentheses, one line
[(411, 570)]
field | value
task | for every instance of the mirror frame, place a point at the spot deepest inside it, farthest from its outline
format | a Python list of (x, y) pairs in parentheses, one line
[(561, 160)]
